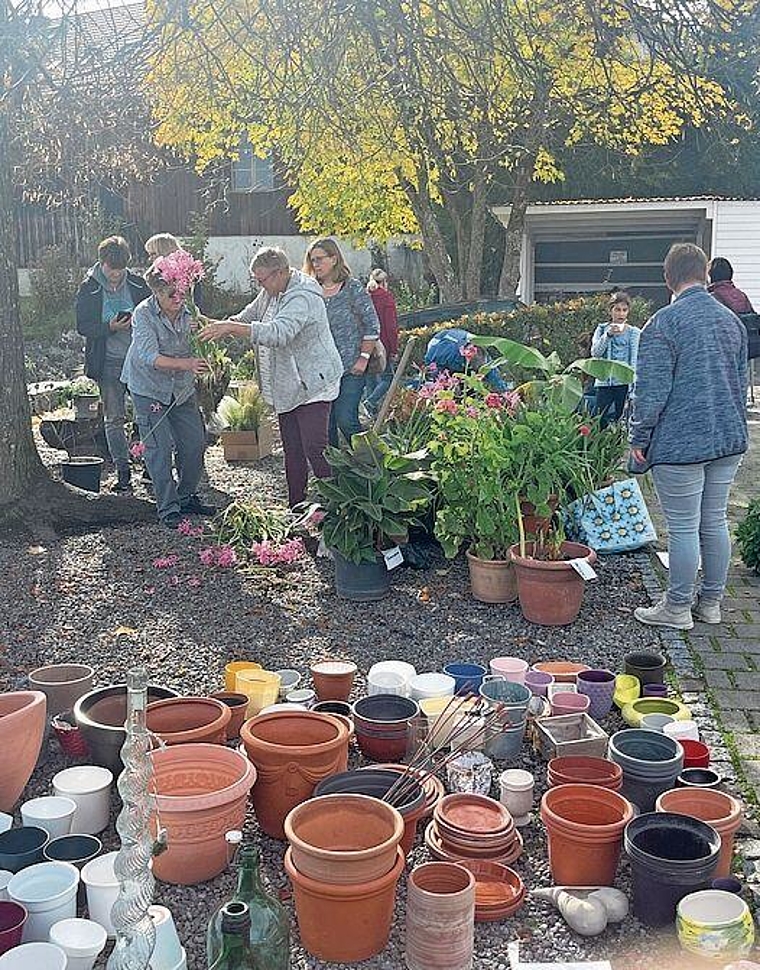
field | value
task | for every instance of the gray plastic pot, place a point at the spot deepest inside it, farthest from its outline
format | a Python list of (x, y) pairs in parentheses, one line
[(651, 762), (362, 582)]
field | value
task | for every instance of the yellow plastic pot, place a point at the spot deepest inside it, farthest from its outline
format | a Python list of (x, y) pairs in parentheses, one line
[(634, 712), (627, 690), (233, 668), (261, 687)]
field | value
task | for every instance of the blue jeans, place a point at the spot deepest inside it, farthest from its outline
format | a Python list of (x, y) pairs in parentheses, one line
[(164, 430), (113, 396), (344, 415), (694, 499), (377, 387)]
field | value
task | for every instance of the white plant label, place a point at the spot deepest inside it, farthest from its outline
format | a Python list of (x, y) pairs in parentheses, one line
[(584, 570), (393, 557)]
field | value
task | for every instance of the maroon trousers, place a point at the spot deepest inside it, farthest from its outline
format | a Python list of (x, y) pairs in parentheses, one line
[(304, 439)]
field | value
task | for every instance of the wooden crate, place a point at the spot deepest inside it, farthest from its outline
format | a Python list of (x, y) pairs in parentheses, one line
[(247, 445), (570, 734)]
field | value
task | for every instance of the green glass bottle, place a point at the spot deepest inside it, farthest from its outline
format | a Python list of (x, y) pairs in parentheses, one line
[(236, 952), (270, 926)]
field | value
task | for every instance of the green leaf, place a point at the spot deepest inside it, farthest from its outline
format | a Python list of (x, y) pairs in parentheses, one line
[(517, 354), (604, 369)]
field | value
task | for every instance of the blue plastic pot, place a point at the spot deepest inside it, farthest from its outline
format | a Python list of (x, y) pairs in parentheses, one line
[(468, 677)]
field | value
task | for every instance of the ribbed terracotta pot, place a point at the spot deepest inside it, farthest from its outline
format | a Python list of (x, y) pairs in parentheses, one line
[(492, 580), (185, 720), (577, 770), (722, 811), (344, 839), (344, 924), (440, 917), (22, 725), (202, 792), (292, 751), (585, 827)]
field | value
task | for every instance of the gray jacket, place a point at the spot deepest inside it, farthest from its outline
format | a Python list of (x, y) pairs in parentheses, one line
[(689, 399), (303, 359)]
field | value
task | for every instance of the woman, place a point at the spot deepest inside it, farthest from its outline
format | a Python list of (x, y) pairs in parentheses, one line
[(161, 244), (298, 364), (354, 326), (385, 308), (616, 340), (722, 287), (160, 370), (689, 426)]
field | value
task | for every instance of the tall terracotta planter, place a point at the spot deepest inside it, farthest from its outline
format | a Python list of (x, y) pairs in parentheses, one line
[(440, 917), (344, 924), (550, 591), (292, 751), (22, 725), (722, 811), (492, 580), (585, 827)]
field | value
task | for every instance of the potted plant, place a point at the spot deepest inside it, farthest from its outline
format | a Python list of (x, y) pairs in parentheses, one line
[(85, 395), (248, 435), (374, 496)]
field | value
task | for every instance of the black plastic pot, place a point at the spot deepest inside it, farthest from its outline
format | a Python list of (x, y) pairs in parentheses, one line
[(21, 847), (698, 778), (386, 708), (671, 856), (76, 849), (648, 667), (83, 473), (334, 707), (374, 782), (363, 582)]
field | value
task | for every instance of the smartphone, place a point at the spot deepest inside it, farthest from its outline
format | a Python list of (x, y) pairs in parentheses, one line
[(123, 315)]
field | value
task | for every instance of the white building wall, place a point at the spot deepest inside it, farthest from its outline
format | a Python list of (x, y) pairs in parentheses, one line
[(736, 236)]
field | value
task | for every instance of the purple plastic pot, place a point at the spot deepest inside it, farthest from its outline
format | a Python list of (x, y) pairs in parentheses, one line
[(655, 690), (599, 687), (538, 682), (12, 919)]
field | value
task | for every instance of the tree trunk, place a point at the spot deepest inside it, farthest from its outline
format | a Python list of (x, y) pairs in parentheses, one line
[(510, 267), (473, 271), (435, 244)]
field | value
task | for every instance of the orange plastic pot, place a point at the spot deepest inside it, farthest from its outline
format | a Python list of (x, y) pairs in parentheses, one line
[(550, 592), (578, 770), (722, 811), (292, 751), (585, 827), (344, 924)]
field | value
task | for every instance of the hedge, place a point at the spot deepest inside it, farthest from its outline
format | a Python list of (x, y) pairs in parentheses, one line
[(565, 327)]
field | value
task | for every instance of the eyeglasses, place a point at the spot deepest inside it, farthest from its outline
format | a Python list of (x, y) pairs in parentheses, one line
[(261, 280), (319, 259)]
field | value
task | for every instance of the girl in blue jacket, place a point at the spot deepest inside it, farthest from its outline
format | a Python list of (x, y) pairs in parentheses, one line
[(616, 340)]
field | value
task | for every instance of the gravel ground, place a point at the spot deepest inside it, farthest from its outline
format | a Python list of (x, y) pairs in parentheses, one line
[(97, 598)]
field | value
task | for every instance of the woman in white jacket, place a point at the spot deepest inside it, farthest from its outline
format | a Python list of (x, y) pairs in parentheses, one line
[(299, 367)]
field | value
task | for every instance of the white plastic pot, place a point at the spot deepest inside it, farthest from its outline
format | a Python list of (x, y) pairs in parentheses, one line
[(102, 888), (682, 730), (53, 813), (90, 787), (168, 952), (82, 940), (48, 890), (34, 956)]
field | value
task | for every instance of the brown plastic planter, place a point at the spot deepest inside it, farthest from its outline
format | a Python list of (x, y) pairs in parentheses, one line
[(722, 811), (585, 827), (187, 720), (344, 839), (333, 679), (440, 917), (344, 924), (237, 704), (585, 771)]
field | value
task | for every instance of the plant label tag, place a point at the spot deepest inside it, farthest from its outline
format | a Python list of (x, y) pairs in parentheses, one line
[(393, 557), (584, 570)]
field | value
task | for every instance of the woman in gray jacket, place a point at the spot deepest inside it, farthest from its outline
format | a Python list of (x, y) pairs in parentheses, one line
[(299, 367)]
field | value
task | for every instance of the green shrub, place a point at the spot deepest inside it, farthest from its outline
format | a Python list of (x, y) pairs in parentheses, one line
[(748, 536), (245, 411), (54, 280), (566, 327)]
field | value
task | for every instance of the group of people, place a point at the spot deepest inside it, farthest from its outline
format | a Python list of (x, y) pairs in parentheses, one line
[(314, 330)]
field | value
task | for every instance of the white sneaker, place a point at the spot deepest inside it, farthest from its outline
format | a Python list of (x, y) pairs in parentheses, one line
[(665, 614), (707, 611)]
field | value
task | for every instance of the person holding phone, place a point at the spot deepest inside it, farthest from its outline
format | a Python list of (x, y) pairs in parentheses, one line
[(105, 301), (616, 340)]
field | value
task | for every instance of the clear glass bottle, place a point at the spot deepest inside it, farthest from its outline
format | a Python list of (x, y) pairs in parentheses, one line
[(236, 952), (270, 926)]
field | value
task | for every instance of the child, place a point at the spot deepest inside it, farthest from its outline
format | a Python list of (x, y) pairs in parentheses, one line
[(619, 341)]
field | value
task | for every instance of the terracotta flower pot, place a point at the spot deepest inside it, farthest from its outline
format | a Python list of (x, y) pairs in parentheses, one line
[(182, 720), (333, 679), (344, 839), (563, 671), (585, 771), (62, 684), (492, 580), (344, 924), (202, 794), (718, 809), (550, 592), (292, 751), (237, 704), (585, 827), (22, 725), (440, 917)]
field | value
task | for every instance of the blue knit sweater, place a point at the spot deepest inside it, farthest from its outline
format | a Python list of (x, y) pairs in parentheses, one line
[(689, 399)]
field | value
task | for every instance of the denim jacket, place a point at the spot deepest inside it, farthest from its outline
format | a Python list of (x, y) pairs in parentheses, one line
[(154, 335), (621, 347)]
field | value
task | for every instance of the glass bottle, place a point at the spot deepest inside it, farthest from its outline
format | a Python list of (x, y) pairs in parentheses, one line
[(236, 951), (270, 926)]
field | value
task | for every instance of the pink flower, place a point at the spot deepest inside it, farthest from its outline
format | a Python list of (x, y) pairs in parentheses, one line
[(433, 368), (207, 556), (469, 352), (494, 401), (446, 406), (180, 269), (186, 528), (472, 412), (225, 557), (268, 554), (137, 450), (166, 562), (511, 401), (316, 517), (174, 580), (427, 392), (584, 430), (194, 581), (155, 407)]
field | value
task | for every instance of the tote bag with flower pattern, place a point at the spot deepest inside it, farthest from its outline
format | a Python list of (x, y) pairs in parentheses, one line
[(611, 519)]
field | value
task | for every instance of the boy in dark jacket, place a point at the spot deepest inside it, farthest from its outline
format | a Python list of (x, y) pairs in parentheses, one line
[(105, 301)]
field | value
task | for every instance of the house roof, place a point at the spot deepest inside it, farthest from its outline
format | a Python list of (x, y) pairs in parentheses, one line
[(653, 198)]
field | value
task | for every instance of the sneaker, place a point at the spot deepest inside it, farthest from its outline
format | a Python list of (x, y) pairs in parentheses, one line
[(172, 520), (665, 614), (707, 611), (193, 505)]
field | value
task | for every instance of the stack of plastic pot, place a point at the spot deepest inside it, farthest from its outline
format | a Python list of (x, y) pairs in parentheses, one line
[(651, 762)]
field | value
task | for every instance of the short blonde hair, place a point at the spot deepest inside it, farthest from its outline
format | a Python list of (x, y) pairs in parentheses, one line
[(685, 263), (378, 277), (161, 244), (342, 270), (270, 257)]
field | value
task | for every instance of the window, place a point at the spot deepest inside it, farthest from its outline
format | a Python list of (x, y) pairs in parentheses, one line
[(251, 173)]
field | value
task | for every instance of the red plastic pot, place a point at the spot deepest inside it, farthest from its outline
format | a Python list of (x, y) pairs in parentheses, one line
[(12, 918), (696, 754)]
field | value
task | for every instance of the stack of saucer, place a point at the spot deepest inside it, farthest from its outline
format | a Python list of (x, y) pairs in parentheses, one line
[(467, 826), (499, 891)]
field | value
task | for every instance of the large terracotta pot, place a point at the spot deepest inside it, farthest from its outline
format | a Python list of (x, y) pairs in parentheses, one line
[(585, 827), (292, 751), (440, 917), (550, 592), (62, 684), (344, 839), (22, 725), (344, 924), (579, 770), (492, 580), (182, 720), (722, 811), (202, 791)]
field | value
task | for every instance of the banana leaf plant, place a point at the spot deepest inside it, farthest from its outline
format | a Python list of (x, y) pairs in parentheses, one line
[(374, 496), (561, 385)]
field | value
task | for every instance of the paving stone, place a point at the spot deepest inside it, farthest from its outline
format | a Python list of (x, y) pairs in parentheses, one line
[(751, 771), (748, 745), (735, 720), (703, 644), (743, 630), (748, 681), (740, 645), (738, 700), (724, 661), (718, 678), (690, 684)]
